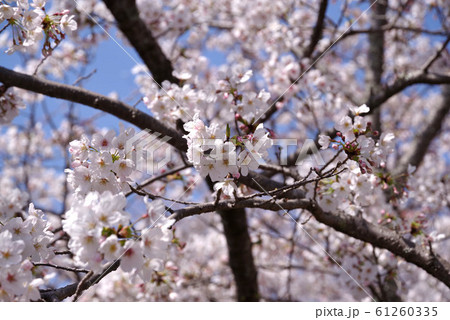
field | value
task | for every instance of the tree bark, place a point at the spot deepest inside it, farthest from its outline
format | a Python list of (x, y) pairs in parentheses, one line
[(240, 255), (375, 56)]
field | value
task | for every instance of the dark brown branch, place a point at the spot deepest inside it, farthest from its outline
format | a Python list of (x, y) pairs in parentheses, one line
[(141, 38), (240, 255), (79, 95), (376, 100), (418, 77), (384, 238), (67, 291), (375, 57), (76, 270), (436, 55), (318, 29), (353, 226), (231, 204), (268, 184), (81, 284), (239, 245)]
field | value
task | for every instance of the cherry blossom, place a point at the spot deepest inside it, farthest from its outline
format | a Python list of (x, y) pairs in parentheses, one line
[(28, 25)]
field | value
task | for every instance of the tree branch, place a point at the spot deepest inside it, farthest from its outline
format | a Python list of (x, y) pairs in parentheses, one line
[(76, 270), (79, 95), (354, 226), (384, 238), (239, 245), (418, 77), (436, 55), (390, 28), (232, 204), (60, 294), (419, 147), (141, 38), (268, 184), (240, 255), (318, 29), (375, 57)]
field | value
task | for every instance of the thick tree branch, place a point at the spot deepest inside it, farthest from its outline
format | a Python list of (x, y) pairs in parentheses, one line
[(240, 255), (141, 38), (239, 245), (375, 57), (79, 95), (318, 29), (60, 294), (231, 204), (418, 77), (384, 238), (353, 226)]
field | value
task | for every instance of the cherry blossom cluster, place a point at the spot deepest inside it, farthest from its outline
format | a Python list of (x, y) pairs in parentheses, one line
[(172, 102), (361, 155), (30, 23), (245, 104), (229, 94), (10, 103), (366, 265), (354, 139), (23, 240), (100, 164), (12, 199), (124, 286), (100, 232), (226, 157)]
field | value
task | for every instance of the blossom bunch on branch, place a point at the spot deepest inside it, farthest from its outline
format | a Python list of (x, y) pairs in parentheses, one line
[(30, 23)]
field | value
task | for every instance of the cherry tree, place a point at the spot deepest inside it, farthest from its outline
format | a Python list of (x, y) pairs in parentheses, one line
[(274, 150)]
